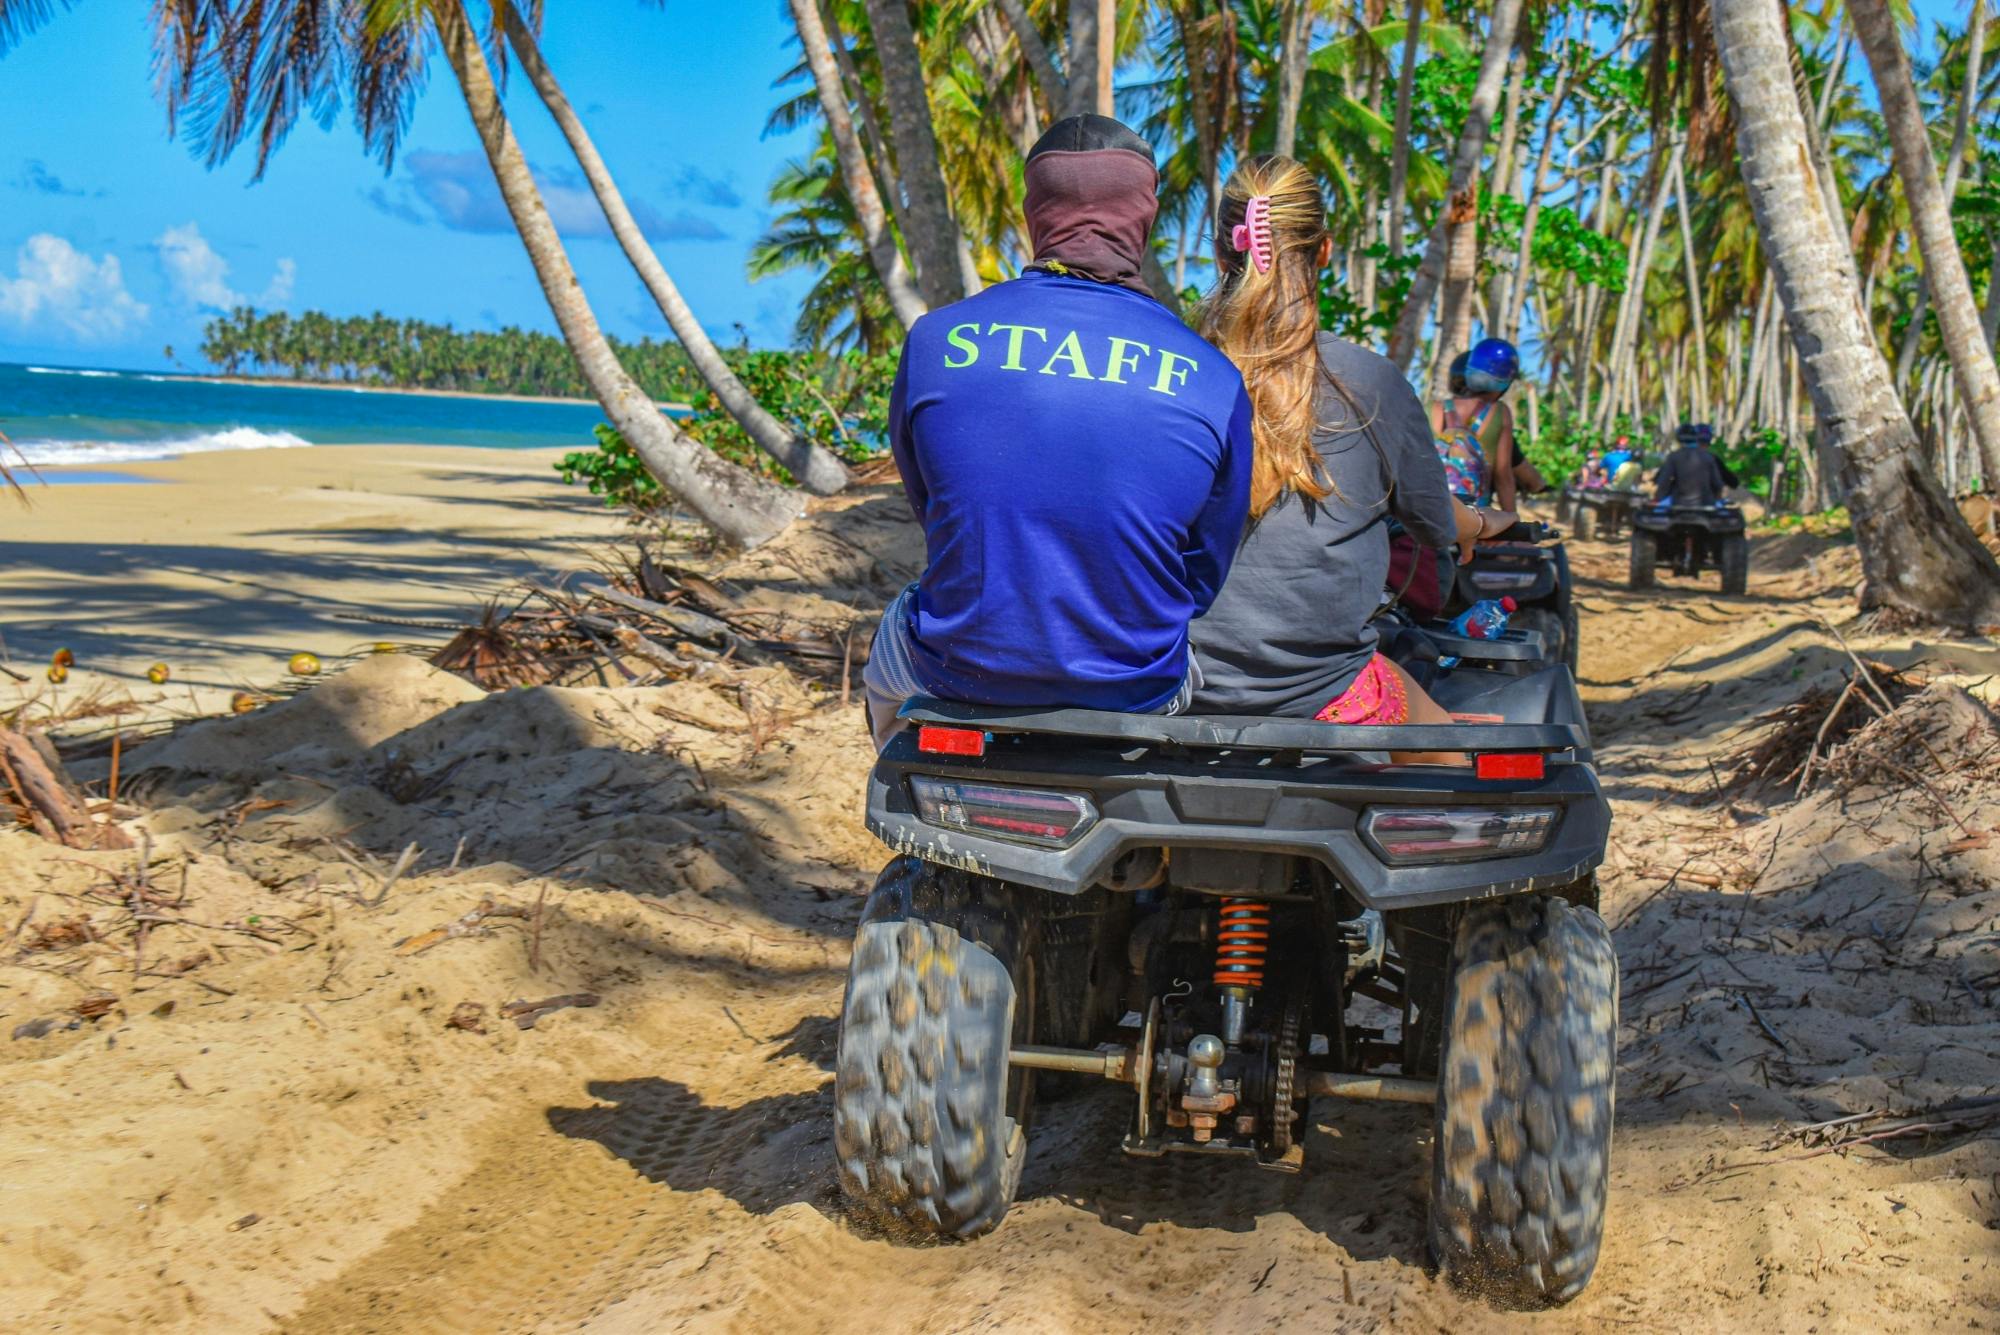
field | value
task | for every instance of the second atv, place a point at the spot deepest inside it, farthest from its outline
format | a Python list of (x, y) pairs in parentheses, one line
[(1689, 539), (1529, 564)]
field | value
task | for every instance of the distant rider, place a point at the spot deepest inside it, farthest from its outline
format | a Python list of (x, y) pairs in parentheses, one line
[(1618, 456), (1078, 457), (1629, 473), (1475, 430), (1692, 475), (1594, 477)]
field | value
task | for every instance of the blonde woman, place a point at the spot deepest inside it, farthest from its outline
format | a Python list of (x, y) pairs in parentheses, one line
[(1342, 444)]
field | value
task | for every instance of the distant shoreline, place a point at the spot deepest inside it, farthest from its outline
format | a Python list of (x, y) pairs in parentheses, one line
[(282, 382)]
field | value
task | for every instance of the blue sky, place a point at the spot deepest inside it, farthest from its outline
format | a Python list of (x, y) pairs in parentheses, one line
[(115, 241)]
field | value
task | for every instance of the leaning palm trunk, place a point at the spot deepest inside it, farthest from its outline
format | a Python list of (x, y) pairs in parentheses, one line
[(815, 468), (1048, 79), (934, 235), (1399, 152), (1697, 326), (1930, 216), (1975, 42), (1632, 309), (1461, 266), (883, 252), (1292, 74), (1505, 169), (741, 507), (1917, 554), (1537, 186), (1464, 172)]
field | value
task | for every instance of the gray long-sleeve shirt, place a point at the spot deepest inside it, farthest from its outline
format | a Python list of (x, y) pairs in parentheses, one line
[(1290, 630)]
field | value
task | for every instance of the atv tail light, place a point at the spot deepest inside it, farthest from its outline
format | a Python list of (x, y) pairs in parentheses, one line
[(1504, 766), (1026, 815), (933, 740), (1410, 836)]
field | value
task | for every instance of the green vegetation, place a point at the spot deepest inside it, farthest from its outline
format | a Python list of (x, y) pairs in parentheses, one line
[(839, 403)]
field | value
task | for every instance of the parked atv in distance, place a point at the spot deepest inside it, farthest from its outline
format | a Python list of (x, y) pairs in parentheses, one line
[(1222, 913), (1688, 539), (1529, 564)]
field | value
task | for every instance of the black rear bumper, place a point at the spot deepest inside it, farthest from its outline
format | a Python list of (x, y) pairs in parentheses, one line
[(1706, 519), (1255, 787)]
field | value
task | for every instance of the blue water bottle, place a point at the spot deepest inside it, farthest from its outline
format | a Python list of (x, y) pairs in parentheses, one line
[(1485, 619)]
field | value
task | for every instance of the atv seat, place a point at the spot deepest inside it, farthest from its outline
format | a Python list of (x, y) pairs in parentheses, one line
[(1418, 649)]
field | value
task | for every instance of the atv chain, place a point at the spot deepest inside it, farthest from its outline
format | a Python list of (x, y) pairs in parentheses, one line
[(1285, 1053)]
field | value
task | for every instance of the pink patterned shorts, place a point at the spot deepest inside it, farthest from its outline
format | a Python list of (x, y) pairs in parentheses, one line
[(1377, 696)]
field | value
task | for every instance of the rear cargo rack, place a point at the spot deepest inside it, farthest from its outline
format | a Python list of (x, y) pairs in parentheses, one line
[(1249, 732)]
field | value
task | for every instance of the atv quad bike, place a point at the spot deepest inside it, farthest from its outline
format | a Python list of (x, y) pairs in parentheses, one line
[(1596, 512), (1688, 539), (1529, 564), (1232, 916)]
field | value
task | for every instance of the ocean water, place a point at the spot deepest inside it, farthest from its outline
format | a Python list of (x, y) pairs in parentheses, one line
[(69, 418)]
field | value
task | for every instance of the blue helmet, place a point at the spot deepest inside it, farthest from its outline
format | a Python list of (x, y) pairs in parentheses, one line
[(1695, 433), (1491, 366)]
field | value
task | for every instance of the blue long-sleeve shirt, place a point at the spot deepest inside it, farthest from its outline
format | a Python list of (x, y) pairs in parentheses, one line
[(1080, 462)]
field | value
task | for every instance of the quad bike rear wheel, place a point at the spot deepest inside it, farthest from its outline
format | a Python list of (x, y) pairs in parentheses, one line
[(930, 1122), (1586, 522), (1525, 1087), (1643, 555), (1734, 561)]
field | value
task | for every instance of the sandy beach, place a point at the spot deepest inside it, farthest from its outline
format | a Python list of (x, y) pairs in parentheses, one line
[(298, 1098), (224, 565)]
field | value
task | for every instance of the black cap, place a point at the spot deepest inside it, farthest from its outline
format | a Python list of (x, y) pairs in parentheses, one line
[(1090, 134)]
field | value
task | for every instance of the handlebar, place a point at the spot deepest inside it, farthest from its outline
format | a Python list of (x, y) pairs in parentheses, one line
[(1525, 530)]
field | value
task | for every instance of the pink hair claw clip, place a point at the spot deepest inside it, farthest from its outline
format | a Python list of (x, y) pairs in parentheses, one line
[(1254, 232)]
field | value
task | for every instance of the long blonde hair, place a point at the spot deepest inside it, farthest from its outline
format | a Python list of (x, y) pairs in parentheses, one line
[(1267, 322)]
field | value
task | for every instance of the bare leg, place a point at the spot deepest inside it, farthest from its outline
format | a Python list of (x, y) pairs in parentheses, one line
[(1423, 709)]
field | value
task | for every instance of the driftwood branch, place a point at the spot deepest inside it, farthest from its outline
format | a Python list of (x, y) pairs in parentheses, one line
[(42, 792)]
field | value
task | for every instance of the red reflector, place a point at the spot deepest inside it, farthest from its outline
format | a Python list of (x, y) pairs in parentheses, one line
[(936, 741), (1527, 766)]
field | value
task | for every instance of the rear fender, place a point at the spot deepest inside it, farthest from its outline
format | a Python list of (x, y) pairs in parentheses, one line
[(1154, 787)]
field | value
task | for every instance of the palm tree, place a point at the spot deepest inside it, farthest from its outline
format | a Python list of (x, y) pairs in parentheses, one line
[(1399, 164), (934, 238), (1930, 211), (815, 468), (18, 18), (1054, 88), (250, 69), (817, 232), (1917, 553), (883, 251), (1461, 208)]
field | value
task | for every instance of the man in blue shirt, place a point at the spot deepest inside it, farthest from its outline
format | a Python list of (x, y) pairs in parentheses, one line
[(1078, 457)]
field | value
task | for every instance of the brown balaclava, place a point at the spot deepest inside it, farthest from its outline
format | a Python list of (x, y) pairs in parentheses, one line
[(1091, 200)]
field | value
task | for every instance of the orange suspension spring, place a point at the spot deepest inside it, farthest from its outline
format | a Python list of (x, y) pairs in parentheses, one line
[(1241, 943)]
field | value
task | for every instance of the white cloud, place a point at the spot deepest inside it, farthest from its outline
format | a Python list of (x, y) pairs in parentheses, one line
[(58, 285), (280, 290), (200, 277)]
